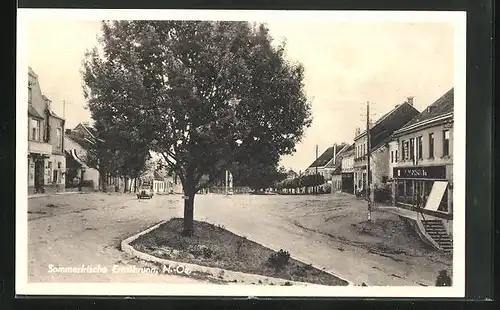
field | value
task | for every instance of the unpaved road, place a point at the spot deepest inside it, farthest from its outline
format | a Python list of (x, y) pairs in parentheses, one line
[(88, 228), (71, 230)]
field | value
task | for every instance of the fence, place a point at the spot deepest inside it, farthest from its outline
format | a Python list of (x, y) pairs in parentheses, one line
[(234, 190)]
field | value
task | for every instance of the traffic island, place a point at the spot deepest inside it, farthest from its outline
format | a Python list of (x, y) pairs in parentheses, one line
[(222, 255)]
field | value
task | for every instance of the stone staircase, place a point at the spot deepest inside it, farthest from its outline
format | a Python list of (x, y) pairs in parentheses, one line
[(435, 229)]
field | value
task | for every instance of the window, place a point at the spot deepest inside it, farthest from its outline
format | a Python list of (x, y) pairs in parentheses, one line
[(431, 145), (404, 155), (59, 137), (392, 156), (412, 148), (396, 156), (35, 130), (446, 143), (420, 154), (30, 92)]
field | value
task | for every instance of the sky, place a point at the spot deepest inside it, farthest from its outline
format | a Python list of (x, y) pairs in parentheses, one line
[(346, 64)]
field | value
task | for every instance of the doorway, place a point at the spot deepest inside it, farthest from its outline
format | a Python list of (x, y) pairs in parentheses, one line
[(39, 175)]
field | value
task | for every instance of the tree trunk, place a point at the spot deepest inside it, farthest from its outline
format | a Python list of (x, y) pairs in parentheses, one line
[(189, 189), (188, 215), (135, 185)]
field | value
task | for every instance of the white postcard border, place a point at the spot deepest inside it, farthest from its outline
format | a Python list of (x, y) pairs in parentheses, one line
[(458, 19)]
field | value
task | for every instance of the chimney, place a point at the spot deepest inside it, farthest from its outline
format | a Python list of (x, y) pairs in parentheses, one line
[(410, 100), (334, 153)]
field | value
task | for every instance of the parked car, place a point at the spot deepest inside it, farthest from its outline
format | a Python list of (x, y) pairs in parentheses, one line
[(145, 191)]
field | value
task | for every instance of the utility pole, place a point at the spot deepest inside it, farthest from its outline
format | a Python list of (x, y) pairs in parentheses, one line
[(226, 185), (315, 188), (64, 109), (368, 156)]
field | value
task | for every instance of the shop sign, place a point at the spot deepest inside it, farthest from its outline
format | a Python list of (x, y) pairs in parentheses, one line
[(432, 172)]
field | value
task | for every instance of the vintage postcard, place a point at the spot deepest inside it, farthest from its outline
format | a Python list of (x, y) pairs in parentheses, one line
[(240, 153)]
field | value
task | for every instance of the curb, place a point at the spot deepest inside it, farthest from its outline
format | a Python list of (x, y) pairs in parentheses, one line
[(349, 283), (127, 248)]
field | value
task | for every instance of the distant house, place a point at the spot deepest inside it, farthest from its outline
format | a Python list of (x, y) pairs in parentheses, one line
[(333, 169), (380, 135), (348, 170), (290, 175), (328, 164), (80, 170)]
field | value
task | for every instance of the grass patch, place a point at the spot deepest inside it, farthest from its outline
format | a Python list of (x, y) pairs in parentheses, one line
[(214, 246)]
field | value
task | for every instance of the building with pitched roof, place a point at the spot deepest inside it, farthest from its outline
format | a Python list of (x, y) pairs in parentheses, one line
[(80, 170), (380, 135), (421, 161), (329, 164), (46, 160), (347, 170)]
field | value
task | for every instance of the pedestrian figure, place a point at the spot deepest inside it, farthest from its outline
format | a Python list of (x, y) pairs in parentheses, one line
[(443, 279), (363, 284)]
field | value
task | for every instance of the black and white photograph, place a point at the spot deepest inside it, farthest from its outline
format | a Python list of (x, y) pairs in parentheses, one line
[(240, 153)]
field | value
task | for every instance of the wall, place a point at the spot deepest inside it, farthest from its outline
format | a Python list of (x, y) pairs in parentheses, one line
[(360, 148), (55, 123), (348, 163), (92, 174), (379, 162), (312, 170), (438, 159), (393, 147), (336, 183)]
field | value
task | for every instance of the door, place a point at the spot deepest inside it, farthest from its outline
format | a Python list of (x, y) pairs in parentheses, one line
[(39, 174), (419, 194)]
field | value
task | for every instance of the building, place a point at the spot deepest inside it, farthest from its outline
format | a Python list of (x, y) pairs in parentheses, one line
[(333, 169), (327, 162), (46, 159), (421, 158), (80, 171), (347, 170), (380, 135), (290, 175)]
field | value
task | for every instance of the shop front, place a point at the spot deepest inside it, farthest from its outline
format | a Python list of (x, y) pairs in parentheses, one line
[(426, 189)]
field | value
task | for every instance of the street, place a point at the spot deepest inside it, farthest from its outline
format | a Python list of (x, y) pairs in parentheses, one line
[(70, 230)]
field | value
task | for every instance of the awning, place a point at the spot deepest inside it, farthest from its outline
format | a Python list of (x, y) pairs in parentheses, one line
[(437, 192)]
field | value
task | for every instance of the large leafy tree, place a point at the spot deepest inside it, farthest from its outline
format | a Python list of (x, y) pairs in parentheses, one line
[(257, 175), (204, 94)]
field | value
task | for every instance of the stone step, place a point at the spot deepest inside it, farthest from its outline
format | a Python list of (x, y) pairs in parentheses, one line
[(435, 228)]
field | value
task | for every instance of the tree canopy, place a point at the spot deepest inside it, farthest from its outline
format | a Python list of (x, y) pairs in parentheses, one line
[(204, 94)]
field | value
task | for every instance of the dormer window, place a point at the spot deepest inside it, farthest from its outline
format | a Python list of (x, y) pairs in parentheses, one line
[(429, 109)]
